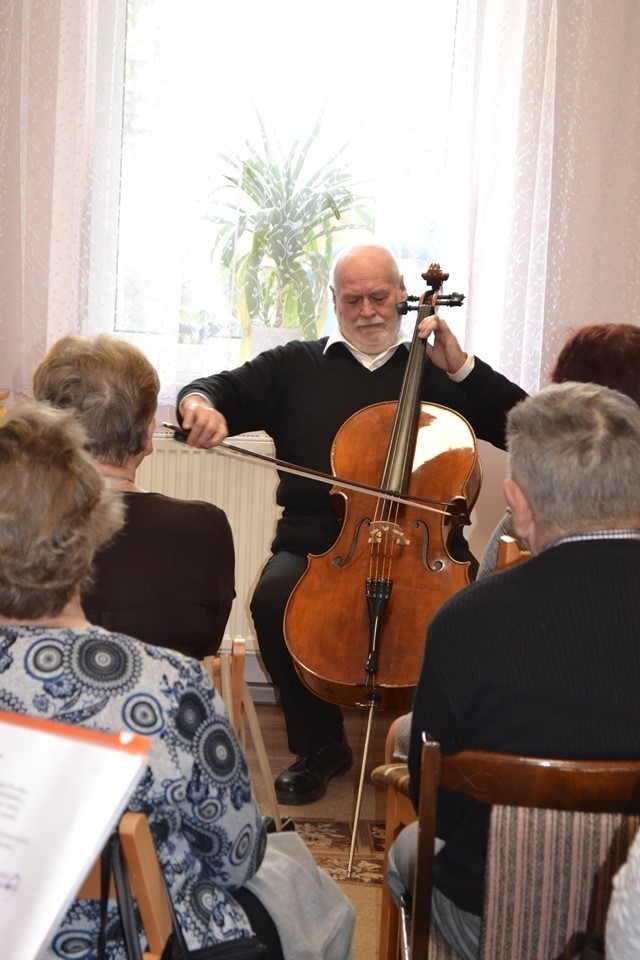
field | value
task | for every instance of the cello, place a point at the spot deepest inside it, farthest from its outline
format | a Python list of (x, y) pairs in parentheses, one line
[(355, 622)]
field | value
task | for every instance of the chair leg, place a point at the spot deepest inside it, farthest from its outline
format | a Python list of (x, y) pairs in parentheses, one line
[(227, 672), (238, 651), (147, 883), (261, 753), (399, 813), (231, 680)]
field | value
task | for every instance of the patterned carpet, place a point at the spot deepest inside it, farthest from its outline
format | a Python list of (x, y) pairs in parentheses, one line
[(330, 843)]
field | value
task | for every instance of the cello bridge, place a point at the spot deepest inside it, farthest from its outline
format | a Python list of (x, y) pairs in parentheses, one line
[(384, 528)]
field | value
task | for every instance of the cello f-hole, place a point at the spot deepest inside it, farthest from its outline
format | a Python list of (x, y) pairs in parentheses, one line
[(342, 562), (426, 543)]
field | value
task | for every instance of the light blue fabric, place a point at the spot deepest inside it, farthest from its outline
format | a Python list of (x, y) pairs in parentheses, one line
[(314, 918), (196, 791), (460, 929)]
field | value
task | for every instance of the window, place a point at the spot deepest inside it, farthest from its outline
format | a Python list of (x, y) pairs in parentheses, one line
[(209, 86)]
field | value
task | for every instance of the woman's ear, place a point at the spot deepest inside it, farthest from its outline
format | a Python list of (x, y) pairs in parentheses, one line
[(148, 445)]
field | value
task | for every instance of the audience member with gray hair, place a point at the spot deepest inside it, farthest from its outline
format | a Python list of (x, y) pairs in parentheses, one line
[(541, 660), (113, 390)]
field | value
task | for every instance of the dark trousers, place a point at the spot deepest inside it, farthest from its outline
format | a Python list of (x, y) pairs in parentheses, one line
[(311, 723)]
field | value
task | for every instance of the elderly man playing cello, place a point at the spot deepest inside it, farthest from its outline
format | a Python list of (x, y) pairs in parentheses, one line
[(301, 394)]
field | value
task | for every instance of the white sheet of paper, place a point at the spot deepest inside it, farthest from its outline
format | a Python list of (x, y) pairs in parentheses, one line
[(62, 792)]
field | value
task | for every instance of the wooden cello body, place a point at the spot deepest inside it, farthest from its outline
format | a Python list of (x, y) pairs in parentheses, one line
[(355, 623)]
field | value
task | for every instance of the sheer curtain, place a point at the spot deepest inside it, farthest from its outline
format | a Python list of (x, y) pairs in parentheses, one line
[(545, 180), (539, 213), (187, 110), (61, 68)]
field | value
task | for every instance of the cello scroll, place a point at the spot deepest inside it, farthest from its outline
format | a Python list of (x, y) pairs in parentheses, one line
[(434, 278)]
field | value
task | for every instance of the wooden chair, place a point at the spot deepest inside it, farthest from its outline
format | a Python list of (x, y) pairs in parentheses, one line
[(393, 775), (147, 886), (510, 552), (227, 673), (559, 831)]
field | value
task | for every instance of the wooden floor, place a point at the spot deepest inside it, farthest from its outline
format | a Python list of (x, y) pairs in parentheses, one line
[(341, 798)]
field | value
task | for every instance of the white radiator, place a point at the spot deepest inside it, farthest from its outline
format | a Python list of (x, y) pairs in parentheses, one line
[(245, 490)]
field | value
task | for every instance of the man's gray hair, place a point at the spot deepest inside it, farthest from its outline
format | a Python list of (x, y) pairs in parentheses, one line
[(575, 451)]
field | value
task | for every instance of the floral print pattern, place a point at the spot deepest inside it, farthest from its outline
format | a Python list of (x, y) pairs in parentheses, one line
[(196, 791)]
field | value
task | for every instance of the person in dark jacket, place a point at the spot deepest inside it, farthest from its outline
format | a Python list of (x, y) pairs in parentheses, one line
[(540, 659), (113, 390)]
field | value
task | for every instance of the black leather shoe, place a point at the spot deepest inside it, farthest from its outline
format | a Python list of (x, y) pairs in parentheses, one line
[(307, 779)]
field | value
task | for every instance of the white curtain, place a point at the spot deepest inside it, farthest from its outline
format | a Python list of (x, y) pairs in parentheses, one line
[(545, 176), (61, 69), (542, 212)]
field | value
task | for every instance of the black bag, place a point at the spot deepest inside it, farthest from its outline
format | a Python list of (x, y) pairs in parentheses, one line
[(243, 948), (112, 861)]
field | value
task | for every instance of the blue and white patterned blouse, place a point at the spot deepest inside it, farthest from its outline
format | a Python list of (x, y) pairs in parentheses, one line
[(196, 791)]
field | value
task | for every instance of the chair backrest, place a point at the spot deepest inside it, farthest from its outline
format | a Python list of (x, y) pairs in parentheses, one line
[(147, 885), (558, 832), (510, 552), (226, 671)]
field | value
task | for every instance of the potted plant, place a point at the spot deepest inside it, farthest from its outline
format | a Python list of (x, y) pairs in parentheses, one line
[(276, 214)]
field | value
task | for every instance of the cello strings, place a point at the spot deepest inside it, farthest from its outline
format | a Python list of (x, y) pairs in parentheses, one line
[(386, 518)]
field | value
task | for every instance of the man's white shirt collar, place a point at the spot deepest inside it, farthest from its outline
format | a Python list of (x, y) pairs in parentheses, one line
[(368, 360), (373, 362)]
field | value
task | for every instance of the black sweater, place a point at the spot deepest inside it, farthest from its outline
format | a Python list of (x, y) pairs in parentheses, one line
[(168, 577), (301, 397), (542, 660)]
